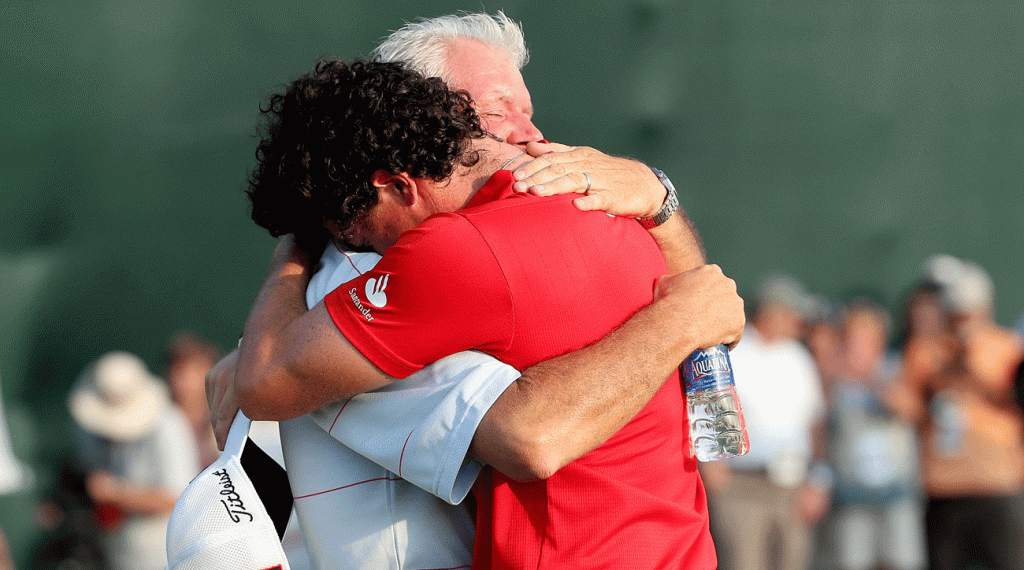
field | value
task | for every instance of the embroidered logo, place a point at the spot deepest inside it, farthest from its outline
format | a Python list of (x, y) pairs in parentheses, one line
[(230, 499), (375, 291)]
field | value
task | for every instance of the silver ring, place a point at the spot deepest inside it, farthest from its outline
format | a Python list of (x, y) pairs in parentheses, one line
[(588, 181)]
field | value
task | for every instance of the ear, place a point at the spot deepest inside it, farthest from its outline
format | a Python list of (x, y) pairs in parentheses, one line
[(396, 187)]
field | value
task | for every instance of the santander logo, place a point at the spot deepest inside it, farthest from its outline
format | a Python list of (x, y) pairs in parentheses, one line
[(375, 291)]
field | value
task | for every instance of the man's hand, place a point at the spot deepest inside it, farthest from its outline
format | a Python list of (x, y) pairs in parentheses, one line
[(220, 396), (709, 308), (619, 186)]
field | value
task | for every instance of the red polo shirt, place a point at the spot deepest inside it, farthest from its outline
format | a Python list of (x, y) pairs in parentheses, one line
[(526, 279)]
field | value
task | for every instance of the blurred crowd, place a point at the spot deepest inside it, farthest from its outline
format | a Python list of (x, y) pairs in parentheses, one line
[(876, 442), (138, 441)]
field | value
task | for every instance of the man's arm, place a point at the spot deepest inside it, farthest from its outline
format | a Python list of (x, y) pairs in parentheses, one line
[(290, 361), (505, 438), (565, 407)]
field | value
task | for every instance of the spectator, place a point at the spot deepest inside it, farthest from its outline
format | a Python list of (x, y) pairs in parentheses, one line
[(14, 476), (877, 519), (187, 358), (138, 452), (68, 517), (958, 385), (822, 338), (767, 505)]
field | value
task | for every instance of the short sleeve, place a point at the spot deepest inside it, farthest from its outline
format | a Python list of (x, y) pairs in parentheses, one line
[(421, 427), (426, 299)]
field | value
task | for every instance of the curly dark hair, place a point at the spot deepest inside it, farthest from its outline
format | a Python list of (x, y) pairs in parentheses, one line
[(333, 128)]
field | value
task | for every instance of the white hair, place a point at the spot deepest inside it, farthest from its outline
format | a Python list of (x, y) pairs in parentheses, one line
[(425, 45)]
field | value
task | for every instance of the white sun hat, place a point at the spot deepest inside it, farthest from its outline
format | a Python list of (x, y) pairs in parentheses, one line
[(221, 521), (118, 398)]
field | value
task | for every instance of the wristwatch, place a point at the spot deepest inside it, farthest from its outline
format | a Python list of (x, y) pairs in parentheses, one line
[(667, 209)]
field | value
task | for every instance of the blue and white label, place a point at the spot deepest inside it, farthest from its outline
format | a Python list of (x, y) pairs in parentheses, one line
[(707, 369)]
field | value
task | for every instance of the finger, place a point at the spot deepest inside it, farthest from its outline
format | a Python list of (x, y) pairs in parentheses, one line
[(548, 185), (598, 200), (532, 167), (588, 203), (735, 342), (563, 153), (539, 148), (659, 285), (540, 174), (575, 158), (221, 429)]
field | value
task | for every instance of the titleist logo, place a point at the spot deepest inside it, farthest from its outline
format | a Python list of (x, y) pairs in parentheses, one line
[(232, 502)]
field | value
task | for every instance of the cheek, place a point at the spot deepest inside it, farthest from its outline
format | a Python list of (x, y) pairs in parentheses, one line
[(500, 128)]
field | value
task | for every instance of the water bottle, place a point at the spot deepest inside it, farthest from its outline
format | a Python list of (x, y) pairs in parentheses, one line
[(717, 429)]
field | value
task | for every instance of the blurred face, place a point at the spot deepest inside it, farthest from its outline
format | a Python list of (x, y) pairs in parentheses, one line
[(778, 322), (927, 315), (497, 89), (864, 340), (187, 380)]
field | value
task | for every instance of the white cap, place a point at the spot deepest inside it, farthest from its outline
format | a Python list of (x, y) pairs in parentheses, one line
[(966, 286), (219, 520), (785, 290), (118, 399)]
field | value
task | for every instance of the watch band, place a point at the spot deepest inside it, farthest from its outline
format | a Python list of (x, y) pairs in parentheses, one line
[(667, 209)]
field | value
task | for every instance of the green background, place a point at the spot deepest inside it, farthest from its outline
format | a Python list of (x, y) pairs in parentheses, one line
[(843, 142)]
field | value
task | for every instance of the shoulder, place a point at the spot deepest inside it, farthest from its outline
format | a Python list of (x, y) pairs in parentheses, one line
[(337, 266)]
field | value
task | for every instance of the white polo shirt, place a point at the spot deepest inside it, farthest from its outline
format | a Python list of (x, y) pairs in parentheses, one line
[(378, 479)]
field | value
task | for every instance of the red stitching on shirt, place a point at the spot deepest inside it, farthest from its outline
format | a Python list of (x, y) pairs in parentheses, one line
[(339, 415), (348, 257), (346, 487), (401, 456)]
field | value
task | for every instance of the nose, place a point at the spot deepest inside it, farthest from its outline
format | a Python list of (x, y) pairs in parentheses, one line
[(522, 131)]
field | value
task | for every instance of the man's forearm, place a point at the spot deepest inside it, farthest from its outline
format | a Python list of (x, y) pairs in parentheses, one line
[(292, 361), (565, 407), (261, 352), (679, 243), (562, 408)]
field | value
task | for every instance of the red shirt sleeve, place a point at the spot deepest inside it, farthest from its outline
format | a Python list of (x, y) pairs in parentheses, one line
[(438, 291)]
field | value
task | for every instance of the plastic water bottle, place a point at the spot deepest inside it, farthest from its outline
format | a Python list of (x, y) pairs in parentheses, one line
[(717, 429)]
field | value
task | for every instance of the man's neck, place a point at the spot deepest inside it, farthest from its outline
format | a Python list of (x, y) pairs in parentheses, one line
[(488, 167), (515, 161)]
